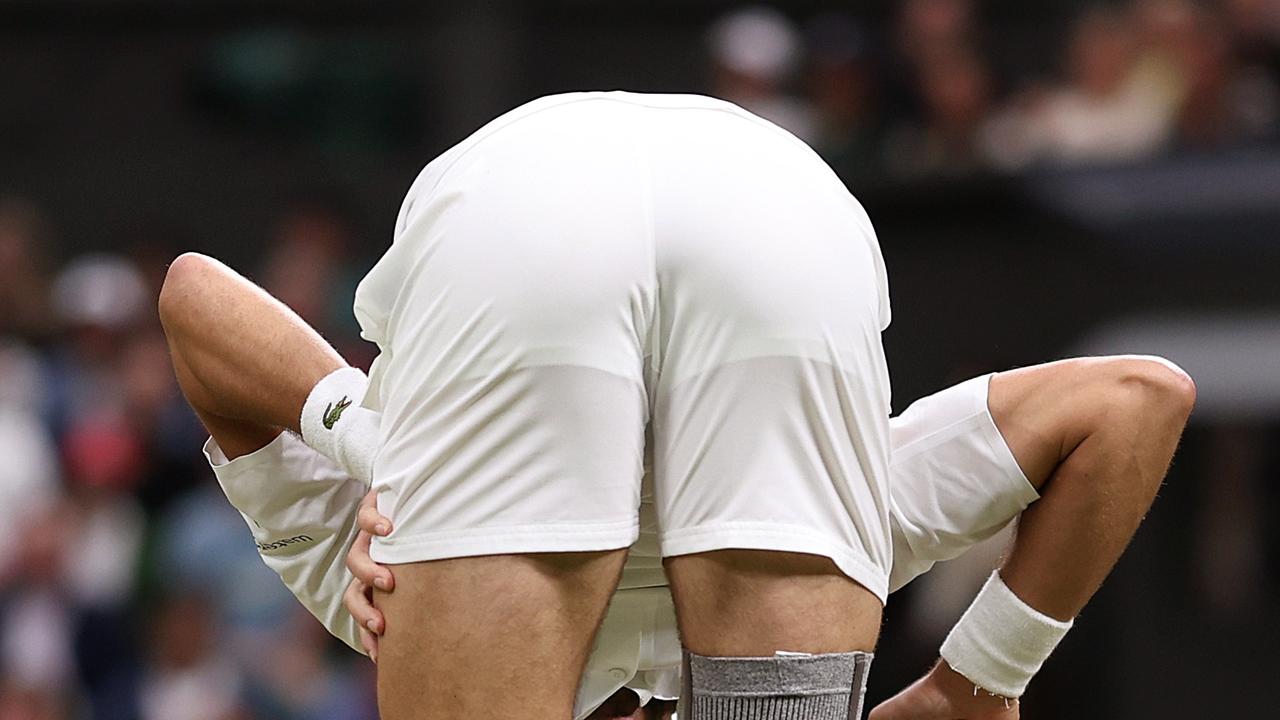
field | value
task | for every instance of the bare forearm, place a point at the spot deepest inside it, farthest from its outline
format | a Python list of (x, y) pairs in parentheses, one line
[(1068, 542), (239, 353)]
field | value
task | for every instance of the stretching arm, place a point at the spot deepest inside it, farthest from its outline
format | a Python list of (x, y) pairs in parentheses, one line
[(240, 354), (1095, 436), (246, 364)]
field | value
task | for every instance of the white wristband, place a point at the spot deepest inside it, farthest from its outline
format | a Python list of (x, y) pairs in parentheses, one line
[(334, 424), (1001, 642)]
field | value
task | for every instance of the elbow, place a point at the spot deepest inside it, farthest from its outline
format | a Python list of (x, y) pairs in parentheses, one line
[(186, 274), (1157, 387)]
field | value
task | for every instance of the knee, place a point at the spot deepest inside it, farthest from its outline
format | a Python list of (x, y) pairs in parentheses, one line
[(186, 274), (1151, 387)]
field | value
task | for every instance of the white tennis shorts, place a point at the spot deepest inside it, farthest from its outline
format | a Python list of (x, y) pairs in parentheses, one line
[(591, 267), (954, 482)]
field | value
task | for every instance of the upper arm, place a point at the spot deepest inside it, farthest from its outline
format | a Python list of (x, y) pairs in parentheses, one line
[(1045, 411)]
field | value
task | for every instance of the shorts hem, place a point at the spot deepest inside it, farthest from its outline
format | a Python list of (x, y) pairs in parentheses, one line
[(233, 467), (851, 561), (511, 540), (1025, 492)]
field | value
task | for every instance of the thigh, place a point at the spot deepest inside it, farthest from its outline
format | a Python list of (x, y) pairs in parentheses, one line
[(753, 603), (491, 637)]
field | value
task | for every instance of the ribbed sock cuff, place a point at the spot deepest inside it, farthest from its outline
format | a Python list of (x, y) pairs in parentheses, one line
[(782, 687), (812, 707)]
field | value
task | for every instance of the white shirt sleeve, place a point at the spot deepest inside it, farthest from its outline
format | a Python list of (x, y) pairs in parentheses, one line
[(301, 509), (954, 482)]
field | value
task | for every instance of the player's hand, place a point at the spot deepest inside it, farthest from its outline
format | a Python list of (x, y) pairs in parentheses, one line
[(944, 694), (358, 597)]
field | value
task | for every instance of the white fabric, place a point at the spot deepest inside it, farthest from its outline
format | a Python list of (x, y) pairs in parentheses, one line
[(1001, 641), (591, 264), (301, 508), (334, 422), (955, 481), (637, 647), (947, 440), (29, 483)]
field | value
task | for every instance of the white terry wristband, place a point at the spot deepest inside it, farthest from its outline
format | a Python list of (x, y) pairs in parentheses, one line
[(335, 425), (1001, 642)]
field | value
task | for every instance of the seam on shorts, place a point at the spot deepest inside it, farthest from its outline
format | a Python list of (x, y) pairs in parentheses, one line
[(1000, 447), (978, 409), (933, 439), (506, 540), (852, 561), (1004, 457)]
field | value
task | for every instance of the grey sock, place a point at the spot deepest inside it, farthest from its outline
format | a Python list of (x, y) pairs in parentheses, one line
[(782, 687)]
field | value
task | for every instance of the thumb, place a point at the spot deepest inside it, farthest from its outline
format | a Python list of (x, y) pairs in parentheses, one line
[(888, 710), (914, 703)]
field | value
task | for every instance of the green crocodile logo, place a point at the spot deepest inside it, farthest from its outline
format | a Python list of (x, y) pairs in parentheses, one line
[(333, 412)]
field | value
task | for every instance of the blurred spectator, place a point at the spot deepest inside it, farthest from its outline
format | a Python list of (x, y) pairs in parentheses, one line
[(104, 458), (307, 266), (18, 703), (843, 86), (100, 292), (202, 545), (188, 677), (24, 278), (1253, 32), (755, 52), (924, 25), (99, 299), (160, 420), (296, 680), (955, 90), (1222, 101), (1111, 109), (37, 628), (1254, 29), (29, 483)]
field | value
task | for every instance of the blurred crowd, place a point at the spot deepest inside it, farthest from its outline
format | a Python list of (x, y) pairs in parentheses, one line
[(129, 588), (940, 93)]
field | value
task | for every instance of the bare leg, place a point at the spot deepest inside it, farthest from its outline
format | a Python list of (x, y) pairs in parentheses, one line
[(491, 637), (751, 603), (239, 353), (737, 609)]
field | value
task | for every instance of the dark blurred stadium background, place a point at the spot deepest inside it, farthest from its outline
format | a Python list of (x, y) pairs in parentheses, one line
[(1047, 179)]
